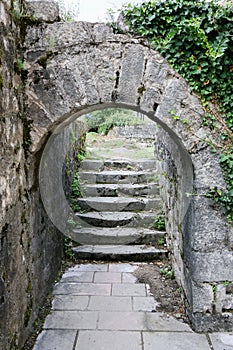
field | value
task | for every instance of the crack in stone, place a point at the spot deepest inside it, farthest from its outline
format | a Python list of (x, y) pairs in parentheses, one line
[(142, 87), (117, 78)]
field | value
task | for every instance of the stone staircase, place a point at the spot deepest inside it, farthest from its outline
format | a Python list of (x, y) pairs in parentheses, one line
[(118, 206)]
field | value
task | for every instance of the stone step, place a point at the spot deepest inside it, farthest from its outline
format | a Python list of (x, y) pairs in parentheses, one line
[(92, 165), (118, 203), (126, 163), (99, 165), (117, 177), (119, 252), (117, 235), (115, 190), (115, 219)]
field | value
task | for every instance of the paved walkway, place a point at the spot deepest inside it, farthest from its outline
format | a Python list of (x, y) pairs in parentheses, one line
[(101, 307)]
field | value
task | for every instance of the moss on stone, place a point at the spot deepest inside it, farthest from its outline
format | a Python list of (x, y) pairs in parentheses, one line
[(26, 131), (27, 314)]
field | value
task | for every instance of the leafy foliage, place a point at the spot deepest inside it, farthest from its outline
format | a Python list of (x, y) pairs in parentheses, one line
[(104, 120), (76, 192), (159, 222), (196, 37), (162, 241), (68, 252), (167, 272)]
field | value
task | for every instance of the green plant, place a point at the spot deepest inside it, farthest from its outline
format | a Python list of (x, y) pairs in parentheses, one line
[(153, 178), (227, 283), (68, 245), (196, 38), (19, 64), (22, 18), (214, 288), (159, 223), (162, 241), (80, 157), (76, 207), (76, 192), (167, 272), (18, 13), (26, 131), (71, 222)]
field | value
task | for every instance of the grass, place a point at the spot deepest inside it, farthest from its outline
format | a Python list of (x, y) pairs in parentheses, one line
[(100, 146)]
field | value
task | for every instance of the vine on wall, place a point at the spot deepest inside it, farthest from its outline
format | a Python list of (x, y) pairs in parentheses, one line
[(197, 40)]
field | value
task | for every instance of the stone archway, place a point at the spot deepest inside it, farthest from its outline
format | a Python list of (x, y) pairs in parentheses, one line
[(75, 68)]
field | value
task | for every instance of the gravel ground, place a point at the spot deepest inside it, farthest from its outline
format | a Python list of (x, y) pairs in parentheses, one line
[(159, 276)]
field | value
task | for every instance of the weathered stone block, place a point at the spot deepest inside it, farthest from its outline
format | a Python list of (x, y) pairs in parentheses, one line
[(224, 298), (215, 266), (43, 11), (203, 297), (132, 67), (209, 229), (208, 173)]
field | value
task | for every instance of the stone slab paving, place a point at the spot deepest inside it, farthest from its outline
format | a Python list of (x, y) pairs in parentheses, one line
[(114, 340), (56, 339), (222, 341), (174, 341), (74, 276), (110, 303), (102, 307)]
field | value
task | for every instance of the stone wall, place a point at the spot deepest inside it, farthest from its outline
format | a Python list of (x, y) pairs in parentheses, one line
[(72, 69), (30, 246), (197, 248), (143, 132)]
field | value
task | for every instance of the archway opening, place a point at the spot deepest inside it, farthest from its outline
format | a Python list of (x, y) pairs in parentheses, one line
[(117, 176), (175, 176)]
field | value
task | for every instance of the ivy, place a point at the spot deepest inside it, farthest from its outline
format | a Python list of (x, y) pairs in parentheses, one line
[(197, 40)]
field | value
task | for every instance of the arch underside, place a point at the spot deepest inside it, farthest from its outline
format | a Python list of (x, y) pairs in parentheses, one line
[(86, 68)]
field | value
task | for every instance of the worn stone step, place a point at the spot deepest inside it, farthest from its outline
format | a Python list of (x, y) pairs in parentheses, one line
[(129, 164), (118, 203), (99, 165), (117, 177), (120, 252), (115, 190), (92, 165), (117, 235), (114, 219)]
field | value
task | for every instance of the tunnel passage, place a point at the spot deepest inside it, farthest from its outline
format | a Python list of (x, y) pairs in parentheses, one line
[(89, 68)]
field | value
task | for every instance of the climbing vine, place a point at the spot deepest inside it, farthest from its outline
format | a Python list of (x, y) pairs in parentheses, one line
[(196, 37)]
